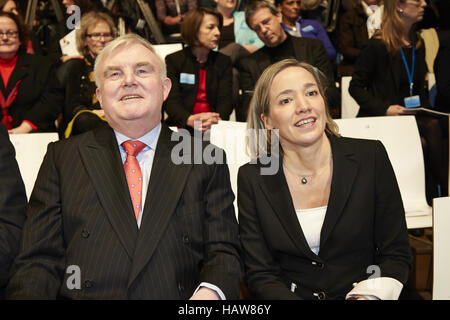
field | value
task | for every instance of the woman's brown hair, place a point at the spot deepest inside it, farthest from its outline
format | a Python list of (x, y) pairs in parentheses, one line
[(191, 24)]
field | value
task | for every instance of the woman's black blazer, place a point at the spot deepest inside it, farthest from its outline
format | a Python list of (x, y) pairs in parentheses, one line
[(180, 103), (380, 79), (364, 225), (39, 99)]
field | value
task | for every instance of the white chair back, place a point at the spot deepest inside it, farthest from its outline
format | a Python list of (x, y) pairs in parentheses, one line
[(349, 107), (30, 151), (165, 49), (230, 136), (401, 138), (441, 253)]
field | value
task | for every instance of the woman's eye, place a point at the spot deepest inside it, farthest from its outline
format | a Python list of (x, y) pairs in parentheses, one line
[(285, 101), (312, 93)]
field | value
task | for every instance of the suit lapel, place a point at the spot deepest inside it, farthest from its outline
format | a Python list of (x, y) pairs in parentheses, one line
[(345, 168), (167, 182), (277, 192), (102, 160)]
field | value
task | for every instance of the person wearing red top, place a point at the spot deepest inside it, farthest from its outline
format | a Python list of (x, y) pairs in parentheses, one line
[(201, 78), (29, 99)]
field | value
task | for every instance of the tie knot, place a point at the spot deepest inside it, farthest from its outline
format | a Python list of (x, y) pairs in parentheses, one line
[(133, 147)]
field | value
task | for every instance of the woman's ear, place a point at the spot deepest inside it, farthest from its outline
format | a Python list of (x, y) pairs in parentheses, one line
[(265, 119)]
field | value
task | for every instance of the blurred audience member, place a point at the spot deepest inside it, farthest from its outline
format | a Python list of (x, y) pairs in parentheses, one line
[(201, 78), (389, 80), (172, 12), (82, 106), (237, 40), (32, 44), (353, 33), (27, 98), (296, 26), (264, 18)]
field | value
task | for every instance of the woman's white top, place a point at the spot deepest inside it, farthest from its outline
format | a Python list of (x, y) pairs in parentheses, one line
[(384, 288), (311, 221)]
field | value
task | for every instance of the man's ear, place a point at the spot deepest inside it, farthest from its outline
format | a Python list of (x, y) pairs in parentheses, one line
[(99, 96), (167, 85)]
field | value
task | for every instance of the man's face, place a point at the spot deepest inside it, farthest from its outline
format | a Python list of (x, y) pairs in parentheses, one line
[(131, 91), (267, 26)]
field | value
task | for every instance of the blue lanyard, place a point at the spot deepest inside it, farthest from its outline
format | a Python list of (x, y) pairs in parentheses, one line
[(410, 74)]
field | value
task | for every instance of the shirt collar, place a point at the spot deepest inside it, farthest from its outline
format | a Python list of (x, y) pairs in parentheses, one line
[(150, 138)]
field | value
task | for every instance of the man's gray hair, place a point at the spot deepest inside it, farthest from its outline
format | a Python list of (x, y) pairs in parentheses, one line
[(125, 40)]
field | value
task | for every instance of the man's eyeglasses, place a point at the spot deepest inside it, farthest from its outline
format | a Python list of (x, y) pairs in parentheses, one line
[(98, 36), (9, 34)]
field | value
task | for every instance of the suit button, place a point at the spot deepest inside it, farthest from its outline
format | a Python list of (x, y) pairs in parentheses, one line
[(85, 233), (180, 287), (186, 239), (320, 295), (88, 284), (318, 264)]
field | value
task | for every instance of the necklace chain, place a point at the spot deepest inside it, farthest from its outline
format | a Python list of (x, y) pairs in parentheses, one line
[(303, 179)]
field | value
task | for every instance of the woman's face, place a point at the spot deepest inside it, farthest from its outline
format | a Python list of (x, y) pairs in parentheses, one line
[(413, 10), (10, 6), (9, 40), (97, 37), (225, 4), (290, 8), (209, 34), (297, 108)]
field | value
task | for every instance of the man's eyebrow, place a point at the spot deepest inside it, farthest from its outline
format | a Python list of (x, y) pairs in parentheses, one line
[(143, 64), (111, 68)]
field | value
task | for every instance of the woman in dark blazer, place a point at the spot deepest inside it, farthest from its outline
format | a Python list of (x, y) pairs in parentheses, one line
[(30, 99), (380, 82), (329, 223), (201, 78), (82, 109)]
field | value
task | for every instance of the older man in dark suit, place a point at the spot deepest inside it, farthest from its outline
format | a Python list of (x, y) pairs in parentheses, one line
[(13, 201), (265, 19), (107, 221)]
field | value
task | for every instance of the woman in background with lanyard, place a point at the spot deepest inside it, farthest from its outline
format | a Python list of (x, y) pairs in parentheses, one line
[(389, 80)]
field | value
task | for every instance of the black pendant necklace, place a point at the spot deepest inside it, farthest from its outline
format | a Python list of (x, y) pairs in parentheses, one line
[(304, 181)]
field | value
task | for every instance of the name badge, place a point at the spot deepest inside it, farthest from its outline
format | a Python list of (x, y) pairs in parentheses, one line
[(308, 29), (187, 78), (412, 102)]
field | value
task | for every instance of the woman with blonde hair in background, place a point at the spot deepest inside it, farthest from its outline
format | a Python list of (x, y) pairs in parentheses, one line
[(389, 80)]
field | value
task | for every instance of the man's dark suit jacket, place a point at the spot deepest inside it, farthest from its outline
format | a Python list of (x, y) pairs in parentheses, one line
[(80, 214), (180, 102), (39, 99), (379, 79), (364, 225), (307, 50), (13, 201)]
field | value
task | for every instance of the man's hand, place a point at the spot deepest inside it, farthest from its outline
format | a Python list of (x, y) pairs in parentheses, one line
[(205, 294)]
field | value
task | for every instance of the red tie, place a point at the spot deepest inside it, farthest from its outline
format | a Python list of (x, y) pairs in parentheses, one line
[(133, 173)]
